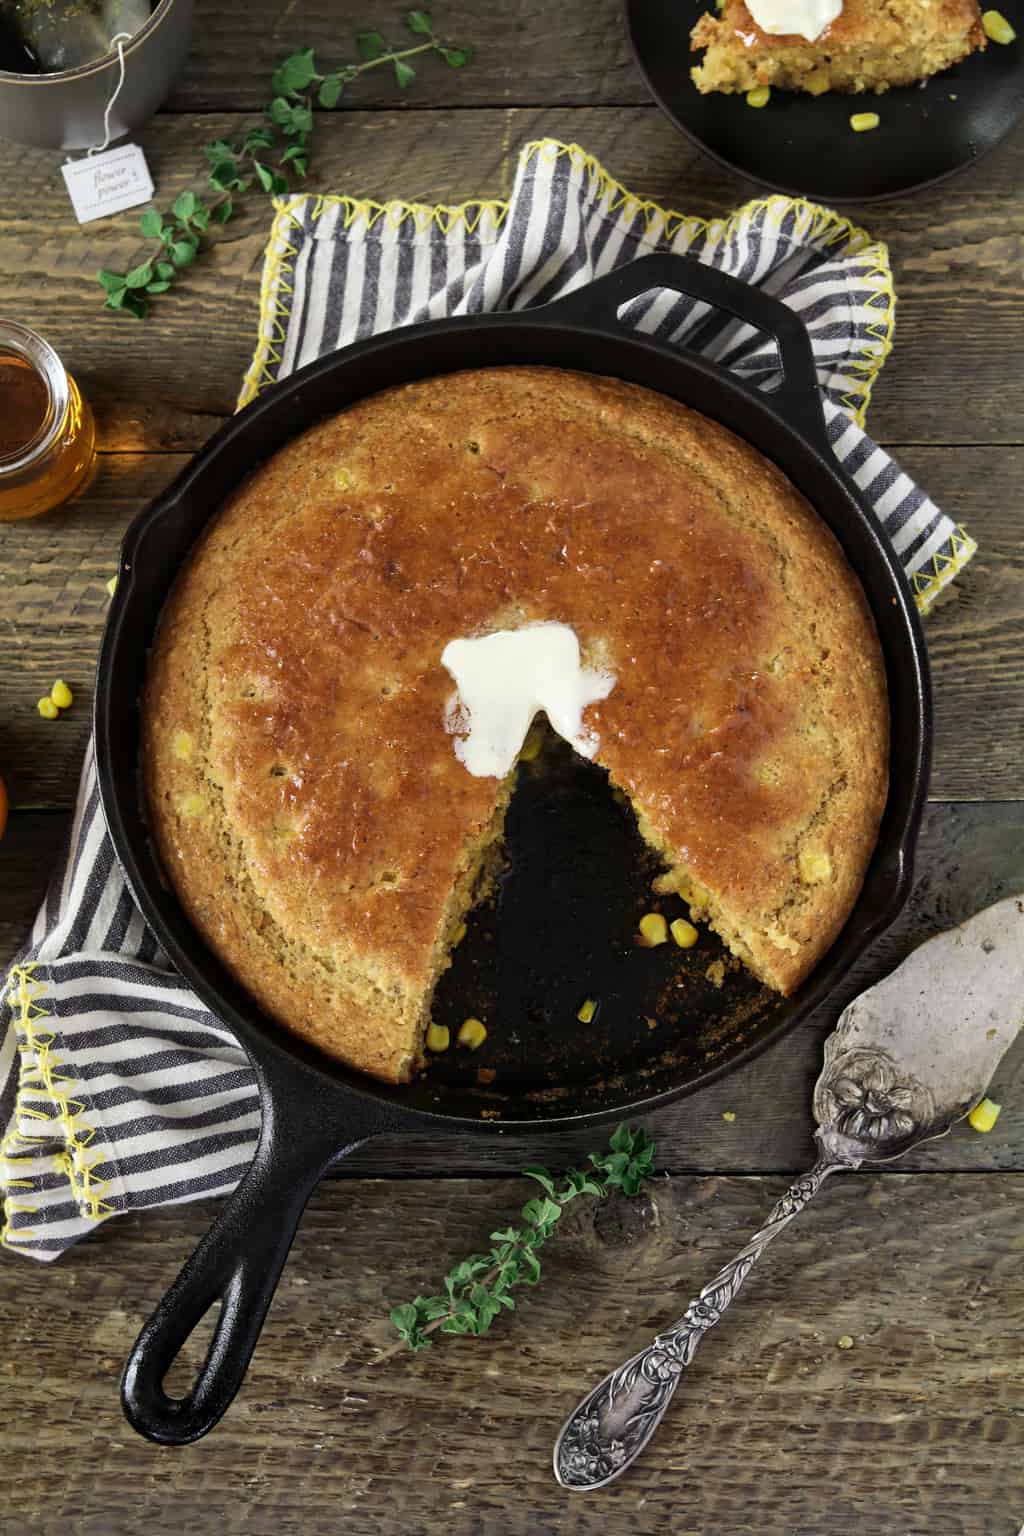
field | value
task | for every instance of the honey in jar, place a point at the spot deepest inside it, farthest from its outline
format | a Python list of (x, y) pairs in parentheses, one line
[(47, 436)]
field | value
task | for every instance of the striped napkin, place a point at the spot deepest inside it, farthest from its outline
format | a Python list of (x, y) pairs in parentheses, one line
[(118, 1089)]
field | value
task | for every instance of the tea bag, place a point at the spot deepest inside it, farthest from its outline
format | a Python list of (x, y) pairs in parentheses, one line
[(61, 34)]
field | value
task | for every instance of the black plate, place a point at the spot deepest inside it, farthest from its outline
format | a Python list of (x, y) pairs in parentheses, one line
[(804, 144), (574, 850)]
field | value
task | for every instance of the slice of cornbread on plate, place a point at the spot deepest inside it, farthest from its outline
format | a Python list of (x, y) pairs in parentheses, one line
[(871, 45)]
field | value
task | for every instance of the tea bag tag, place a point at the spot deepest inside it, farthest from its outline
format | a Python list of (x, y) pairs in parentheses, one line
[(106, 180)]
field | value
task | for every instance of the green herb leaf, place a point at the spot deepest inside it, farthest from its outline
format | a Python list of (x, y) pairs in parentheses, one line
[(151, 224), (201, 217), (138, 277), (543, 1178), (259, 138), (185, 206), (330, 92), (266, 177), (297, 71), (164, 270), (135, 304), (116, 297), (419, 21), (370, 45), (223, 211), (183, 253), (457, 58), (219, 151), (113, 282), (404, 74), (158, 287)]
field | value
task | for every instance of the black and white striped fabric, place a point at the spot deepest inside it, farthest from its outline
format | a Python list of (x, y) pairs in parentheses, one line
[(118, 1089)]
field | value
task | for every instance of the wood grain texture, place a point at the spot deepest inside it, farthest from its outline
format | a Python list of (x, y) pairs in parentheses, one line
[(574, 54), (916, 1430), (970, 856), (53, 601), (956, 252)]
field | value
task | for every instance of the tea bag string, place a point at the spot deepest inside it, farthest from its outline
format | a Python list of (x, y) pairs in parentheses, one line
[(117, 41)]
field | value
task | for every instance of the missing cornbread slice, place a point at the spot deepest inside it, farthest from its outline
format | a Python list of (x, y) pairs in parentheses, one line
[(303, 788), (872, 45)]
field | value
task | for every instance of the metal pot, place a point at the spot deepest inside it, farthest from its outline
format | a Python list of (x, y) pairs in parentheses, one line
[(65, 110), (314, 1109)]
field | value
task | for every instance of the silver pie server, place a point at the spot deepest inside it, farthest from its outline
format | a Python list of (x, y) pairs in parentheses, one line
[(908, 1058)]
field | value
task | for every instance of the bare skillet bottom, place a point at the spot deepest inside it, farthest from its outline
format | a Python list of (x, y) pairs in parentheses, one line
[(314, 1110)]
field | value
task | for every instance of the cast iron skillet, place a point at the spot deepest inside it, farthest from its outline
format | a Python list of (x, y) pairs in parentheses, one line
[(804, 144), (314, 1110)]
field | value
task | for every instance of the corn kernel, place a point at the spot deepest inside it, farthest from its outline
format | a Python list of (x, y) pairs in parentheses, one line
[(684, 933), (729, 1114), (984, 1115), (759, 96), (815, 866), (472, 1033), (653, 929), (532, 745), (47, 708), (458, 934), (438, 1037), (112, 585), (997, 28), (844, 1341), (61, 694), (181, 745), (863, 122), (585, 1012), (343, 480)]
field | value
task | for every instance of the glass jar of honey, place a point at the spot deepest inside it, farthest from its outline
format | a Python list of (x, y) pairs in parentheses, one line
[(47, 435)]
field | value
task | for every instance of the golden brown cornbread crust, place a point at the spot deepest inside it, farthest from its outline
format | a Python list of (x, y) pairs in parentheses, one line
[(872, 45), (303, 791)]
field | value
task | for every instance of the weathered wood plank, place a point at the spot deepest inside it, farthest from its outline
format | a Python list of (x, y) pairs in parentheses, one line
[(53, 601), (165, 385), (575, 54), (970, 855), (916, 1429)]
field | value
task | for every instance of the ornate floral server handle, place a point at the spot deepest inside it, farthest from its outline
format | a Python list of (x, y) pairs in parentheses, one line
[(607, 1431)]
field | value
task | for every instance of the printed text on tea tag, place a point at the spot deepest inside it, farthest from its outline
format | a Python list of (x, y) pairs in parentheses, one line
[(108, 182)]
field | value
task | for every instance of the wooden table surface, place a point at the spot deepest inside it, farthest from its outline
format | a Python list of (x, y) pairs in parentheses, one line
[(919, 1427)]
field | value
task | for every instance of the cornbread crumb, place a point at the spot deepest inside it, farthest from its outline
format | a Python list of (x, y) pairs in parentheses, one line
[(715, 973)]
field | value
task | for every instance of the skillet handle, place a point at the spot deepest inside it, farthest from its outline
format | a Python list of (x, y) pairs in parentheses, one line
[(798, 398), (238, 1263)]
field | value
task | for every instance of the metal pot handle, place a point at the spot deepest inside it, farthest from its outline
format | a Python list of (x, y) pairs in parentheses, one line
[(238, 1263), (596, 306)]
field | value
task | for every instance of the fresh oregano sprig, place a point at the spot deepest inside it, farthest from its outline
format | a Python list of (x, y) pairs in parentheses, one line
[(477, 1290), (266, 157)]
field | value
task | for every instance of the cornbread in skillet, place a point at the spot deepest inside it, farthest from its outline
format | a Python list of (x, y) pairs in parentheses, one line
[(872, 45), (303, 789)]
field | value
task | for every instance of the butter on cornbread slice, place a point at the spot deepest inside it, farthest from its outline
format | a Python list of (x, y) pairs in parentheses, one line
[(871, 45)]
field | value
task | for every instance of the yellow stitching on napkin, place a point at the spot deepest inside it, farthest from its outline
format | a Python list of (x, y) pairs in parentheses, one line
[(933, 578), (811, 220), (42, 1075)]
